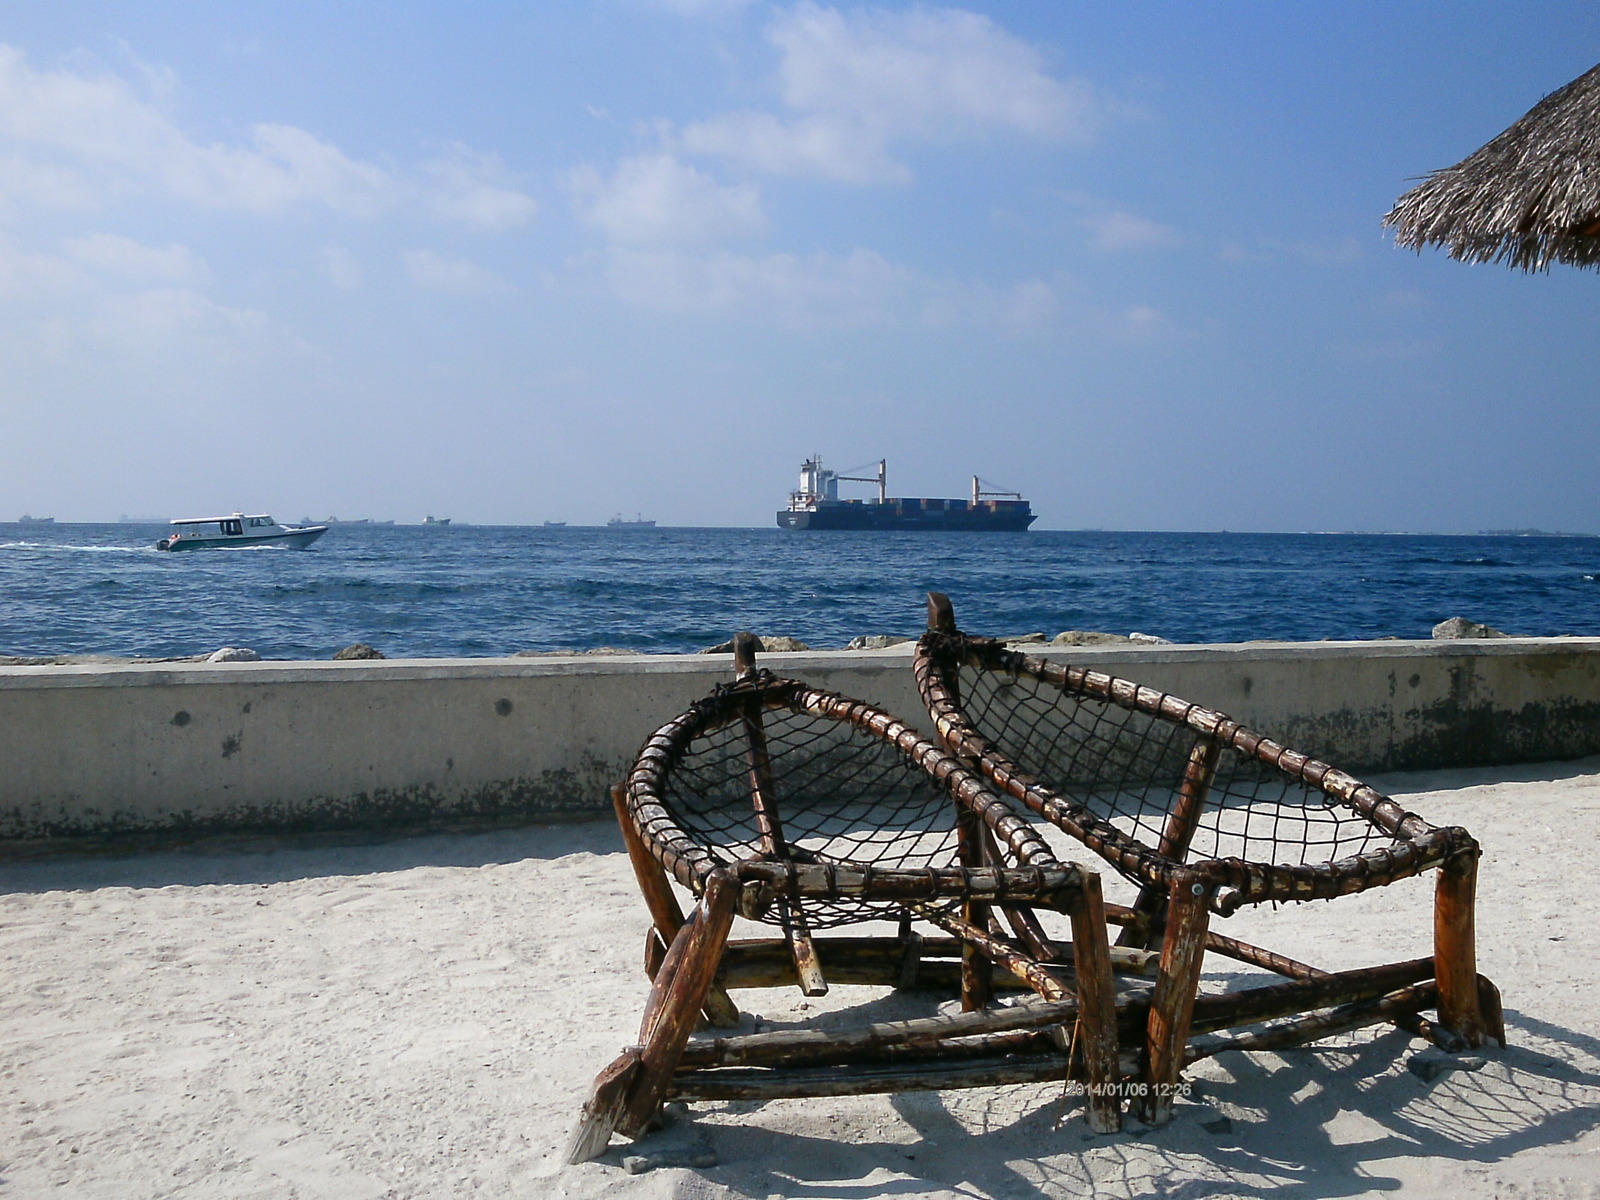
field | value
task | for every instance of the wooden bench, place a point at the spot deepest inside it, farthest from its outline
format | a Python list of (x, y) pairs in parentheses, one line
[(807, 811), (1206, 816)]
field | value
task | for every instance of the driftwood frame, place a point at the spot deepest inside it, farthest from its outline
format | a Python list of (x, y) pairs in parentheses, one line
[(1179, 893), (1003, 872)]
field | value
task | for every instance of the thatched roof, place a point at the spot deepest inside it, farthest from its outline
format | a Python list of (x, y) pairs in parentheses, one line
[(1529, 198)]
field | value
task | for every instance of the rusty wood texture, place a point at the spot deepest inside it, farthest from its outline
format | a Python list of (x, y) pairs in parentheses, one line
[(1494, 1018), (665, 910), (1326, 1023), (849, 1053), (1002, 952), (665, 913), (764, 798), (1179, 832), (1096, 1034), (1454, 948), (603, 1109), (670, 1017), (1024, 923), (1182, 953), (977, 972), (762, 1049), (1210, 1013), (1227, 947), (1273, 1001), (922, 962), (743, 1083), (1416, 845), (1036, 876), (766, 882)]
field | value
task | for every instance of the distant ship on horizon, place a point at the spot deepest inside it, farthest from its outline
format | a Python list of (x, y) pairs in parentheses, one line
[(638, 522), (816, 505)]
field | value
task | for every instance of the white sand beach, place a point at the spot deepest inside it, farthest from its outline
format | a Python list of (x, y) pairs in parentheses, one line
[(421, 1019)]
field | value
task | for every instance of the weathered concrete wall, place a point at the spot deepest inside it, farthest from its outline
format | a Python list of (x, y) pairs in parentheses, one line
[(242, 746)]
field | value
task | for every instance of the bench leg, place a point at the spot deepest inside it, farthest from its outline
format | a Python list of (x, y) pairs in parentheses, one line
[(1455, 951), (627, 1095), (1097, 1009), (665, 912), (1172, 1005), (977, 972)]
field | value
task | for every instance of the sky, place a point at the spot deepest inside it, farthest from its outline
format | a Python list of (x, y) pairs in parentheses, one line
[(511, 263)]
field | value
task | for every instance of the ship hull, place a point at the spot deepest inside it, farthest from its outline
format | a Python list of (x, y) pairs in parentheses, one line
[(911, 515)]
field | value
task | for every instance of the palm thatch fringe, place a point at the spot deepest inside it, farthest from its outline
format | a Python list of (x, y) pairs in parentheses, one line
[(1528, 198)]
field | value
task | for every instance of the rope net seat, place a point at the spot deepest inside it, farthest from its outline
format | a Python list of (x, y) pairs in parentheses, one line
[(807, 811), (1206, 816)]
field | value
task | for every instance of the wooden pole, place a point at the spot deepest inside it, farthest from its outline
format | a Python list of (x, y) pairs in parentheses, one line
[(1321, 1024), (665, 912), (928, 962), (1001, 951), (1182, 954), (977, 972), (1454, 949), (603, 1109), (739, 1083), (1182, 822), (1097, 1008), (788, 1045), (764, 796), (682, 984)]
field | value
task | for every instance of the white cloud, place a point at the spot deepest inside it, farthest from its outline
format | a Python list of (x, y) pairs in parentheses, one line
[(96, 130), (916, 72), (138, 320), (861, 287), (341, 268), (654, 199), (693, 9), (76, 140), (473, 189), (43, 185), (1117, 231), (458, 276), (83, 294), (857, 83), (858, 289), (29, 275), (1328, 254), (123, 256), (820, 146)]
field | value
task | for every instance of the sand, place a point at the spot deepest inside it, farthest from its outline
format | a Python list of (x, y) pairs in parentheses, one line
[(421, 1018)]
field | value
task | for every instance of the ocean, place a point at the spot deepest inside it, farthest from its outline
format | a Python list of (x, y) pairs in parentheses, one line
[(474, 591)]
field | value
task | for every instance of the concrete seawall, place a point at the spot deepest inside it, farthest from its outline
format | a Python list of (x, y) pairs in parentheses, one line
[(146, 749)]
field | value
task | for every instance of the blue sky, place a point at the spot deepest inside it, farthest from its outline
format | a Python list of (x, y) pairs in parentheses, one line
[(514, 263)]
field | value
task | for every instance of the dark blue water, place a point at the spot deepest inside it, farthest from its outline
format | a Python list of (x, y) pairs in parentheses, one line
[(475, 591)]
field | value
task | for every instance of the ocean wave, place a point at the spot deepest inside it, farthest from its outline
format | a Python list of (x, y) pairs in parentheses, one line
[(375, 588), (1479, 561), (500, 590)]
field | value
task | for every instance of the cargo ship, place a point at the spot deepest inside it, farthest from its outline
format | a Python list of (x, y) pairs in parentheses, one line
[(816, 505)]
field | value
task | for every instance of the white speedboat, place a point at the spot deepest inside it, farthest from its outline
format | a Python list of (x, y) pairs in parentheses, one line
[(209, 533)]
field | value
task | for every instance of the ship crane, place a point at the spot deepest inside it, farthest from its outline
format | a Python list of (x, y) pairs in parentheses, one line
[(881, 478), (995, 492)]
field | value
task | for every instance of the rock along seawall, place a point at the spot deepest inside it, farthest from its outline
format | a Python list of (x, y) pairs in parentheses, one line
[(139, 750)]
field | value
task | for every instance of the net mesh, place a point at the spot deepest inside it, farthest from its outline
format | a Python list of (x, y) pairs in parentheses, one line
[(1127, 766), (840, 795)]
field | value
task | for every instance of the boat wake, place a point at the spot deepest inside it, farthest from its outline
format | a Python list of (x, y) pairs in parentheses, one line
[(60, 546)]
